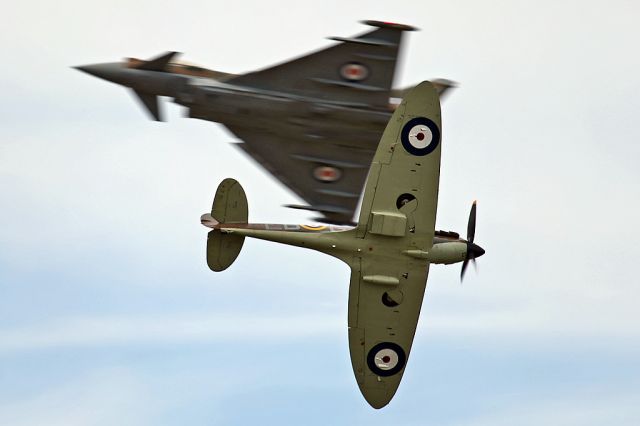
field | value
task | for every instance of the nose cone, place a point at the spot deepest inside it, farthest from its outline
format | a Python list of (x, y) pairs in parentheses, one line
[(474, 251), (112, 71)]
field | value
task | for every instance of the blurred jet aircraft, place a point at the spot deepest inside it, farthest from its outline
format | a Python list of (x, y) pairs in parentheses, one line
[(313, 122)]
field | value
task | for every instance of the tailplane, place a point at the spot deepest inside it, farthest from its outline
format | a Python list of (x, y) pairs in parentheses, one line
[(229, 206)]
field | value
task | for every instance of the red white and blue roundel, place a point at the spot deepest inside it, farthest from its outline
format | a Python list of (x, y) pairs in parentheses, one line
[(420, 136), (354, 71), (327, 173), (386, 359)]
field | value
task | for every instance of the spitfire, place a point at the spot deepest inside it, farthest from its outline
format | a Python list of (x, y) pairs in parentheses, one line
[(389, 251), (313, 122)]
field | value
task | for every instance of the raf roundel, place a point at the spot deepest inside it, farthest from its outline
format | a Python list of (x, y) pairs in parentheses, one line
[(354, 71), (327, 174), (420, 136), (386, 359)]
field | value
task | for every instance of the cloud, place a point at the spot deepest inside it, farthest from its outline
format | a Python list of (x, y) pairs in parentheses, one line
[(507, 326), (129, 330), (582, 408), (107, 397)]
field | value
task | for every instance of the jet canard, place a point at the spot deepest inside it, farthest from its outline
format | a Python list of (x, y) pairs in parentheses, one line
[(313, 122), (389, 250)]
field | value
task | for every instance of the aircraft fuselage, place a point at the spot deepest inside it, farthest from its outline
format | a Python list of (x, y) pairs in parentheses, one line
[(448, 247), (213, 99)]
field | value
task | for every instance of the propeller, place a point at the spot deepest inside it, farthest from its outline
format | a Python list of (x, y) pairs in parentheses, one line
[(473, 250)]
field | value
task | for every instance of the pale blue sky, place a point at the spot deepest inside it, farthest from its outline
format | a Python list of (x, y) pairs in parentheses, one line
[(109, 315)]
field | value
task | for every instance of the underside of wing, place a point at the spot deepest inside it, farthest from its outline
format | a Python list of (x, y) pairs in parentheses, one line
[(358, 71), (397, 219), (405, 172), (382, 323), (328, 175)]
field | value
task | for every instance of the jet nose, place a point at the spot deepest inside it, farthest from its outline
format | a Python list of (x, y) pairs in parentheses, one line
[(113, 71), (475, 251)]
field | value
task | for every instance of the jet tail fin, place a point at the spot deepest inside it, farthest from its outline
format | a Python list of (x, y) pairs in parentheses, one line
[(159, 63), (229, 206), (150, 102)]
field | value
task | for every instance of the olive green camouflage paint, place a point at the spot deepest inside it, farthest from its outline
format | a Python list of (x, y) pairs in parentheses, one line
[(389, 251)]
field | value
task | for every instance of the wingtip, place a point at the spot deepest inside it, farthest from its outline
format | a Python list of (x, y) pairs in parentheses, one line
[(377, 398), (445, 82), (392, 25)]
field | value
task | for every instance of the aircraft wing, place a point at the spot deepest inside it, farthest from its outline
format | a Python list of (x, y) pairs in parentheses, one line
[(329, 180), (398, 217), (357, 71), (405, 172), (327, 165), (374, 328)]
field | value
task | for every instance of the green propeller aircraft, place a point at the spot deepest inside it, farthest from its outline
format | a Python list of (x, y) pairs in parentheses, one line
[(389, 250)]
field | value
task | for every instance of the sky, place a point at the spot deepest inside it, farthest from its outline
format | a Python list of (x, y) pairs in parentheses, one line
[(109, 314)]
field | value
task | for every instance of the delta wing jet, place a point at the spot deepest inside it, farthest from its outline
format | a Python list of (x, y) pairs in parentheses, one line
[(389, 250), (313, 122)]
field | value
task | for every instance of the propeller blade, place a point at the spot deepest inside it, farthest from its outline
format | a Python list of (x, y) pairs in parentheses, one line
[(473, 250), (464, 268), (471, 227)]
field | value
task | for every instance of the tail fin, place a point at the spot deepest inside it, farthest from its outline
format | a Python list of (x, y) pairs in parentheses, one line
[(229, 206), (159, 63)]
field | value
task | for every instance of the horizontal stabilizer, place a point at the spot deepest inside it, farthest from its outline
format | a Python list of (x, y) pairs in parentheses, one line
[(229, 206), (150, 102), (230, 203), (222, 250)]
